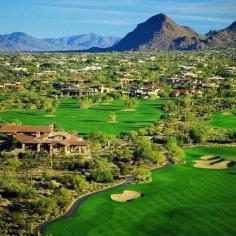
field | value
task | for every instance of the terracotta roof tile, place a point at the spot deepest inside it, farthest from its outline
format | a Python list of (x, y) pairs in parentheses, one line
[(24, 129)]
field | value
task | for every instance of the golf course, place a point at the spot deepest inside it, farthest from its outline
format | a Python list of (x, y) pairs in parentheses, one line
[(224, 120), (181, 200), (70, 117)]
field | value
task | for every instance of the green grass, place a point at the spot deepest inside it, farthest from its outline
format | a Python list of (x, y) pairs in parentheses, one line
[(181, 200), (220, 120), (70, 117), (2, 97)]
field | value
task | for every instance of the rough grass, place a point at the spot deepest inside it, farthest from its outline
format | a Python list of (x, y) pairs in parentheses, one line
[(69, 117), (181, 200)]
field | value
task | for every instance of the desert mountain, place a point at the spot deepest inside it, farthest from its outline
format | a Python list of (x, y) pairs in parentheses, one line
[(22, 42), (161, 33), (155, 34), (83, 42), (222, 38)]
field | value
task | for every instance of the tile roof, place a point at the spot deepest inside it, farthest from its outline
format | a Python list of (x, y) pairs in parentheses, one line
[(24, 129), (28, 139)]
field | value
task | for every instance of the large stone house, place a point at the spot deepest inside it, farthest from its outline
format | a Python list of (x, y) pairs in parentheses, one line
[(45, 139)]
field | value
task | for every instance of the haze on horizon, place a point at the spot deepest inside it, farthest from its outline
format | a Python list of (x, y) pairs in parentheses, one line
[(58, 18)]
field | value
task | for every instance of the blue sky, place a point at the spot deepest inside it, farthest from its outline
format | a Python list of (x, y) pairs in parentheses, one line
[(55, 18)]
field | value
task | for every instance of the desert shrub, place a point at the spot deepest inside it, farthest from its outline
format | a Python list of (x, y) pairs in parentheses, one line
[(102, 176), (146, 150), (177, 152), (63, 197), (85, 103), (78, 183), (46, 205), (130, 103), (143, 175), (112, 118)]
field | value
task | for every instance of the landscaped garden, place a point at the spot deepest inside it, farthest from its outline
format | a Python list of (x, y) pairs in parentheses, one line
[(181, 200), (70, 117)]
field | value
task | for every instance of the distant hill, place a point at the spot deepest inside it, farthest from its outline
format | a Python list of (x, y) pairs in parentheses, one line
[(22, 42), (222, 38), (83, 42)]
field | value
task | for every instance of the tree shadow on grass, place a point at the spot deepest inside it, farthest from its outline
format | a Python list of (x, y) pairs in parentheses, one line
[(148, 113), (135, 122), (68, 106), (154, 105), (92, 121), (26, 113), (105, 109)]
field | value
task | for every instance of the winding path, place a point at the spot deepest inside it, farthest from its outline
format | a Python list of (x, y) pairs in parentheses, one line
[(75, 206)]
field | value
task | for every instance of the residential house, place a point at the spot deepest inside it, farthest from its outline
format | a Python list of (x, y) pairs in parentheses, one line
[(46, 140)]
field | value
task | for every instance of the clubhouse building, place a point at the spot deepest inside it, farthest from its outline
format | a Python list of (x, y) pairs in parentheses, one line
[(46, 140)]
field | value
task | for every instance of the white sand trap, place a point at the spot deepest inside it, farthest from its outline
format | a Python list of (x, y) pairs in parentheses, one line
[(227, 113), (208, 163), (127, 195), (208, 157)]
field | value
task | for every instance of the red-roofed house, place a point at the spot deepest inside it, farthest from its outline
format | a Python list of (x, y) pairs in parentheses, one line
[(44, 139)]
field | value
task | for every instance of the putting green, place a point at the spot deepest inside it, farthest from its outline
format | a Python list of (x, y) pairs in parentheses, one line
[(181, 200), (69, 117)]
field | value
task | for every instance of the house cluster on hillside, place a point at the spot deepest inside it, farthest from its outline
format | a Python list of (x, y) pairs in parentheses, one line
[(128, 73), (230, 70), (188, 82), (47, 73), (20, 69), (73, 87), (127, 87), (43, 139), (9, 87)]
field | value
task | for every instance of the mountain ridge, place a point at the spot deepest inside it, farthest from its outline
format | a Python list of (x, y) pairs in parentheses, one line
[(158, 33), (19, 41), (165, 35)]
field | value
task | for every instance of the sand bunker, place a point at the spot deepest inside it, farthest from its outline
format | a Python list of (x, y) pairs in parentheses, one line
[(126, 196), (227, 113), (212, 162), (209, 157)]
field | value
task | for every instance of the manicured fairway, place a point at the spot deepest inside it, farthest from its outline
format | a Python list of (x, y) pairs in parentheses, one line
[(70, 117), (224, 120), (181, 200)]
